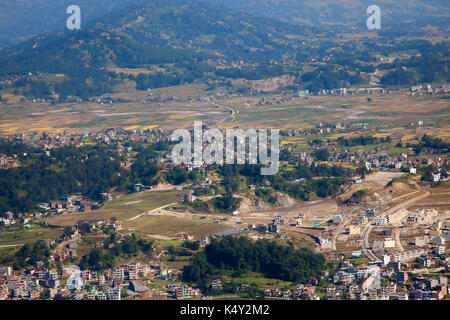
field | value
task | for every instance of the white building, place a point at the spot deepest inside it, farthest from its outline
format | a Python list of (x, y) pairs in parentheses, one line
[(439, 250), (338, 218), (74, 281), (419, 242), (436, 177), (402, 296), (5, 271), (114, 293), (325, 243), (398, 216), (389, 243), (381, 221), (354, 229)]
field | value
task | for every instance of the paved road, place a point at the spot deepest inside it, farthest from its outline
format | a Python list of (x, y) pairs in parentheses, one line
[(365, 248), (233, 113), (398, 243), (156, 209)]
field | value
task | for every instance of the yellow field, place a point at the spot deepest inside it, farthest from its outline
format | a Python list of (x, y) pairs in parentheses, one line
[(12, 98), (381, 135), (338, 135), (139, 127), (134, 72), (407, 137)]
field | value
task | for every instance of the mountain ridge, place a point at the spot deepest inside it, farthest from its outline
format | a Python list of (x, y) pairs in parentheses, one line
[(189, 40), (23, 19), (339, 12)]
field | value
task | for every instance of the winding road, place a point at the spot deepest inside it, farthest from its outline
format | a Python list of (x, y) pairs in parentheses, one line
[(233, 112)]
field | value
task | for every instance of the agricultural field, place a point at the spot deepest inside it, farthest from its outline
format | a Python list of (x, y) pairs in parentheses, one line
[(123, 208), (23, 236), (176, 107), (165, 227), (386, 110)]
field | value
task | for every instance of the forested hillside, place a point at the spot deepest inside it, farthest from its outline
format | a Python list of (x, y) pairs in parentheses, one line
[(243, 255), (184, 41), (23, 19), (404, 16)]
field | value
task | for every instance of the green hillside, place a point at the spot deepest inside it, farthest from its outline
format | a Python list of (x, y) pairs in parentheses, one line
[(183, 41), (401, 16), (23, 19)]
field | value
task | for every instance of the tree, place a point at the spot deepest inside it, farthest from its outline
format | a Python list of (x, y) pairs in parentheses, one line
[(45, 294), (67, 232), (193, 245), (428, 173), (321, 154), (241, 255), (362, 170)]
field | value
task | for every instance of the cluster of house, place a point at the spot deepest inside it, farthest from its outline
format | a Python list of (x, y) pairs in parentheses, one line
[(43, 283), (28, 285), (121, 135), (427, 90), (383, 282), (47, 142), (67, 205), (21, 219), (7, 161), (318, 129), (301, 292), (180, 291), (8, 219), (273, 226), (346, 92), (274, 100), (382, 160), (374, 158), (425, 251), (414, 90), (349, 273), (354, 292), (11, 79)]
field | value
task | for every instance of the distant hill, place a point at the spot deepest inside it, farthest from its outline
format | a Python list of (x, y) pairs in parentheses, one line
[(350, 13), (182, 41), (189, 24), (179, 31), (23, 19)]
